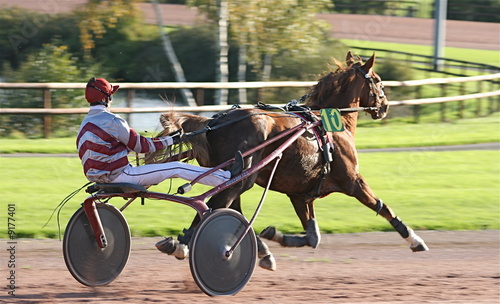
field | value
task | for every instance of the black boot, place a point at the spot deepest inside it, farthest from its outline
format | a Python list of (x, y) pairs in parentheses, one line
[(237, 166)]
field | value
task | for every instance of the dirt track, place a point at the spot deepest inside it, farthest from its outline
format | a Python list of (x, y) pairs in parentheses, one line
[(461, 267)]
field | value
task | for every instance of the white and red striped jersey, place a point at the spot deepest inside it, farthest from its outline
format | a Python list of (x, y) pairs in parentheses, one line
[(104, 141)]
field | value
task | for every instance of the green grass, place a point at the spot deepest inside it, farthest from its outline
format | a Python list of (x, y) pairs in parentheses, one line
[(465, 131), (428, 190)]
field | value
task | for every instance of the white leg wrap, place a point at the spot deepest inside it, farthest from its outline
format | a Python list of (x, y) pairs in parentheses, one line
[(416, 243), (181, 251)]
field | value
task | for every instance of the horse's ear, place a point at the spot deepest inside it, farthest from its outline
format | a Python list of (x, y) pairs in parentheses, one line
[(349, 59), (369, 64)]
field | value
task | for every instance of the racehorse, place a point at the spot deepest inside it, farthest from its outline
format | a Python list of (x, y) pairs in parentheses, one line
[(303, 173)]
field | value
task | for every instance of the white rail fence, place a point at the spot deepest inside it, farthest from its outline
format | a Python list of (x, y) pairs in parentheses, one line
[(47, 109)]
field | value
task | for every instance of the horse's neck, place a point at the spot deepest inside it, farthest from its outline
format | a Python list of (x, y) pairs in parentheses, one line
[(350, 120)]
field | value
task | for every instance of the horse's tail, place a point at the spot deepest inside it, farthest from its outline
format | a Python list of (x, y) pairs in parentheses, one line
[(196, 147)]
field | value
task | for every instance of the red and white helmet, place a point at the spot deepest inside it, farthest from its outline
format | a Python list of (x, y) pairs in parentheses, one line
[(98, 89)]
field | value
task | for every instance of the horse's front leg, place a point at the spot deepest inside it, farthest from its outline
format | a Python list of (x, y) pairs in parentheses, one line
[(364, 194), (304, 208)]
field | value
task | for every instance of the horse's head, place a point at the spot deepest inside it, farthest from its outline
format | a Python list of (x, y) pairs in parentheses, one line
[(193, 146), (355, 85), (372, 95)]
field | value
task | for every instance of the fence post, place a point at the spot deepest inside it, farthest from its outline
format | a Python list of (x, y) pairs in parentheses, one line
[(461, 104), (200, 97), (47, 118), (443, 104), (416, 108), (479, 106), (498, 99), (491, 100)]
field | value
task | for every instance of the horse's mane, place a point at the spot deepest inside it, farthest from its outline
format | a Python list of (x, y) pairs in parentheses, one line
[(332, 83)]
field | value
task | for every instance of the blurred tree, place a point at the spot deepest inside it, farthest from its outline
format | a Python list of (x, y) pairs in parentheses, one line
[(263, 28), (52, 63), (183, 2), (24, 32), (187, 95), (99, 16), (367, 7), (474, 10)]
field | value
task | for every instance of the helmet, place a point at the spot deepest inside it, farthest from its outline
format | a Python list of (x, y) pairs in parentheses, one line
[(98, 89)]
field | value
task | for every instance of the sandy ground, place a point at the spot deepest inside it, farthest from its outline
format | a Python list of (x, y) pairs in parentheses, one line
[(461, 267)]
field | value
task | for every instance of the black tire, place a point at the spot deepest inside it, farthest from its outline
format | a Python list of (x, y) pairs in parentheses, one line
[(214, 273), (87, 263)]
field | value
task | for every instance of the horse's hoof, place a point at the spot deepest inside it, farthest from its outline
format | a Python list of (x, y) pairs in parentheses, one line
[(173, 247), (420, 247), (268, 262), (416, 243), (268, 233), (166, 245)]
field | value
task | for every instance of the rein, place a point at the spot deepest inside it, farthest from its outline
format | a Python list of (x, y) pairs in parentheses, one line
[(212, 127)]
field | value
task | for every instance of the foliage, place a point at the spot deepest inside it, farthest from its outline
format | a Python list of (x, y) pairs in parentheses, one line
[(108, 32), (268, 27), (292, 65), (362, 7), (24, 32), (474, 10), (98, 17), (183, 2), (469, 10), (118, 45), (53, 63)]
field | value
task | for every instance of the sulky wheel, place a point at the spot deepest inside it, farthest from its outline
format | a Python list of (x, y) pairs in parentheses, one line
[(215, 273), (89, 264)]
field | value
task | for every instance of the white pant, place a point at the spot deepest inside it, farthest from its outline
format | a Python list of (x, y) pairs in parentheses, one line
[(153, 174)]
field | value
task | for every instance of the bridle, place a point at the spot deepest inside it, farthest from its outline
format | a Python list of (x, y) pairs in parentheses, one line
[(374, 92)]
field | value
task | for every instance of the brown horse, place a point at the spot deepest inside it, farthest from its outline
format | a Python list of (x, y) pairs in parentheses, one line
[(302, 174)]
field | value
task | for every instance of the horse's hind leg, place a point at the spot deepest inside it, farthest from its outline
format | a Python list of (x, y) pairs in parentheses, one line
[(365, 195), (304, 208), (266, 258)]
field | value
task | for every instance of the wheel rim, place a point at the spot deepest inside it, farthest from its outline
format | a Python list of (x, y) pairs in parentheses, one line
[(212, 271), (89, 264)]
